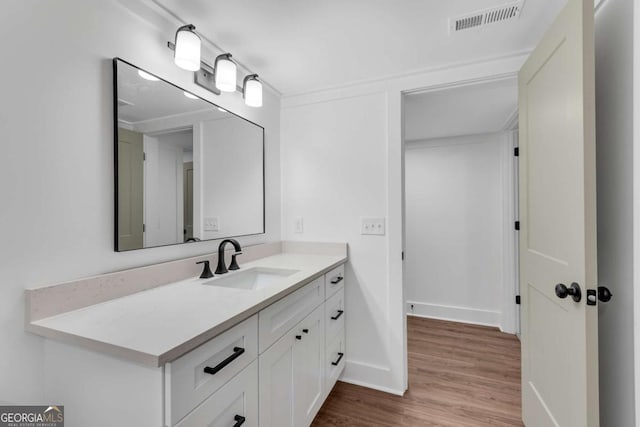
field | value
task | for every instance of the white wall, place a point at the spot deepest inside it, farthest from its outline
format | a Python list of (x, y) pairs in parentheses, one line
[(342, 158), (614, 144), (454, 257), (228, 171), (56, 220)]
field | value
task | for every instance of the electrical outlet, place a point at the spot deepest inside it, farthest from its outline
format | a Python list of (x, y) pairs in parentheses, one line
[(299, 225), (373, 226), (212, 223)]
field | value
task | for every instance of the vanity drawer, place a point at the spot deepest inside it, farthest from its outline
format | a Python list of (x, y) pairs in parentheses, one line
[(187, 384), (234, 402), (334, 281), (335, 360), (280, 317), (334, 315)]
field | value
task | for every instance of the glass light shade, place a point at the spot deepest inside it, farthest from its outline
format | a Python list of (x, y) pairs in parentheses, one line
[(187, 53), (226, 72), (253, 93), (147, 76), (190, 95)]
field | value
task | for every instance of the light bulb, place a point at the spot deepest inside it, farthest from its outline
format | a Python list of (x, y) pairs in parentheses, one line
[(252, 91), (225, 71), (147, 76), (187, 49)]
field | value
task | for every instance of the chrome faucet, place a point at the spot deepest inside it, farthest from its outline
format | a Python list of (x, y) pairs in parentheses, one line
[(222, 267)]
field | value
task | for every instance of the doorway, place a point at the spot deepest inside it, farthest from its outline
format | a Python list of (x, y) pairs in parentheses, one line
[(461, 204)]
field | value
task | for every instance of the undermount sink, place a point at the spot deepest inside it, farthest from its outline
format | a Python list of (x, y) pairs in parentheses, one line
[(253, 279)]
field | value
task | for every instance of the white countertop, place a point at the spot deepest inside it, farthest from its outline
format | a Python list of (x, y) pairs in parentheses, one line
[(159, 325)]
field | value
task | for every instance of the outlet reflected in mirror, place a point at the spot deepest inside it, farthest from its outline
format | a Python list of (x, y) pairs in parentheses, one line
[(185, 169)]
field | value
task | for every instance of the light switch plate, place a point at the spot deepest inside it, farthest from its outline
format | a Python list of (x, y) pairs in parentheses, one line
[(212, 223), (373, 226), (299, 225)]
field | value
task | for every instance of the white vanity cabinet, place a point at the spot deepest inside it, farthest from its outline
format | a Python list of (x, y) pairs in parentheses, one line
[(273, 369)]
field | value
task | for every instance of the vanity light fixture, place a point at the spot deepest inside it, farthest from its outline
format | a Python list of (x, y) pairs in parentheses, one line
[(226, 73), (190, 95), (187, 48), (221, 77), (252, 91), (147, 76)]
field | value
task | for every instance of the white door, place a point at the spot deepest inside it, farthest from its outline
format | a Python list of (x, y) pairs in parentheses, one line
[(276, 383), (308, 375), (558, 225)]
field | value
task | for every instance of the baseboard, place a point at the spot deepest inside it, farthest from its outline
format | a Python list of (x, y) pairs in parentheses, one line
[(371, 386), (454, 314), (371, 376)]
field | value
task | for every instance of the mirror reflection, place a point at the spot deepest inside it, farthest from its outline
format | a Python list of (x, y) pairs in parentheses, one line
[(186, 170)]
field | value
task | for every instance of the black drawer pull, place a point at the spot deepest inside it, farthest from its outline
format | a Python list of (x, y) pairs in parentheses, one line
[(237, 352), (340, 355), (337, 280), (239, 419), (337, 316)]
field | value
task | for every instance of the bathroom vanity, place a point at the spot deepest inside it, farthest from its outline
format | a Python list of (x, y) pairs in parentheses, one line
[(263, 345)]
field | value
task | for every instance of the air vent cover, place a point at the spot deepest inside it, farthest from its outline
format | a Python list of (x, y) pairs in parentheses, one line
[(485, 17)]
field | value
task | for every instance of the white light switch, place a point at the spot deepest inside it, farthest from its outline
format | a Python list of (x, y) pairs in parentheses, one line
[(212, 223), (299, 225), (373, 226)]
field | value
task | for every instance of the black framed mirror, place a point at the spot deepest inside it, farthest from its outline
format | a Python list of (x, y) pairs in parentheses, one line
[(186, 170)]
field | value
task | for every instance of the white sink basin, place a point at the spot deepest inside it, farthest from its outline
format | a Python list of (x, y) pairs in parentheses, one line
[(253, 279)]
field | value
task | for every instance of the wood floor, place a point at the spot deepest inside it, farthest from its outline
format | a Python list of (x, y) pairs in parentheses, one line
[(459, 375)]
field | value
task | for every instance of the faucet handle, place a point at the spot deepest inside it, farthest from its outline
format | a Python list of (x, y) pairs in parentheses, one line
[(234, 264), (206, 272)]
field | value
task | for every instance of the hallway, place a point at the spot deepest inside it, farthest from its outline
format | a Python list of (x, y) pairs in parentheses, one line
[(459, 375)]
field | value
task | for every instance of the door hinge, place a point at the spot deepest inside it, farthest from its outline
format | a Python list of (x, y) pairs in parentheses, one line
[(517, 225), (516, 151), (518, 299), (144, 228), (403, 255), (144, 156)]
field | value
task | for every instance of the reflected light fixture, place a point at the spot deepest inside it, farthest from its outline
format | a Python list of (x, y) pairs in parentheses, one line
[(190, 95), (225, 71), (147, 76), (252, 91), (187, 48)]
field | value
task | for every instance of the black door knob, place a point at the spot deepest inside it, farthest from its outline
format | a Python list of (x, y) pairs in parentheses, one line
[(604, 294), (574, 290)]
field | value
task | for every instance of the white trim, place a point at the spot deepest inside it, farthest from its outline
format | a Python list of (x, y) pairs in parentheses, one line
[(371, 386), (636, 204), (454, 313), (412, 73)]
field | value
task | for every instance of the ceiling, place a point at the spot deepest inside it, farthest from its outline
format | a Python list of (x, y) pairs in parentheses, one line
[(469, 110), (140, 100), (301, 45)]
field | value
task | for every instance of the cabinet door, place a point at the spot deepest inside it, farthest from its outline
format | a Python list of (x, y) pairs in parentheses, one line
[(308, 364), (276, 383)]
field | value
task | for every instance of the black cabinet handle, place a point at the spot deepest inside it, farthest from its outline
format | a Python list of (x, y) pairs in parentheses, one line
[(340, 355), (299, 337), (237, 352), (337, 280), (239, 419), (306, 331), (337, 316)]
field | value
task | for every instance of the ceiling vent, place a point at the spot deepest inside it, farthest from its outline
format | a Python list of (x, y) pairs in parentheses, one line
[(485, 17)]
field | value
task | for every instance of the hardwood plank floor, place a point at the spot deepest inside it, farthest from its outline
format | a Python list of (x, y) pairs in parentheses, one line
[(459, 376)]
